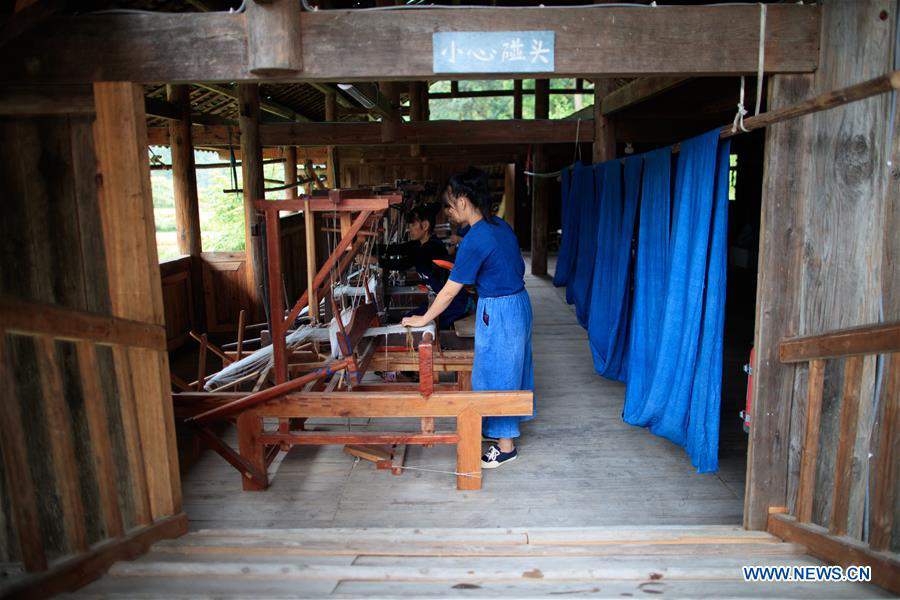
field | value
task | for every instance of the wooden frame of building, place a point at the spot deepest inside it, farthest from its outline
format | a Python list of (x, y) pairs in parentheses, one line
[(83, 311)]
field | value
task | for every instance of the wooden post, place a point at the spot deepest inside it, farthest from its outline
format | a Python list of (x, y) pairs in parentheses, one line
[(309, 222), (184, 177), (604, 133), (187, 205), (468, 450), (334, 167), (249, 427), (517, 99), (135, 290), (540, 205), (390, 124), (290, 171), (416, 111), (252, 174), (273, 37), (540, 211)]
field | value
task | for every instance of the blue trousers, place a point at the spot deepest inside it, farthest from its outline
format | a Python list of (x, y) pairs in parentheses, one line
[(503, 354)]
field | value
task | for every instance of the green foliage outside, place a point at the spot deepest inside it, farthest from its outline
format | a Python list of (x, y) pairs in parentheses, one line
[(478, 109), (221, 214)]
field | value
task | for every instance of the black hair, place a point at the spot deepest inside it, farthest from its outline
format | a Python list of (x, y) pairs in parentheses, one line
[(425, 212), (473, 184)]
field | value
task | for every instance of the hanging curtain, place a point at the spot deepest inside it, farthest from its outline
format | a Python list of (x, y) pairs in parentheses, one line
[(610, 290), (649, 279), (683, 393), (585, 198), (569, 231)]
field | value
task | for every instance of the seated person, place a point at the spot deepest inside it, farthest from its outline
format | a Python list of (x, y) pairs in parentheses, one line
[(419, 253)]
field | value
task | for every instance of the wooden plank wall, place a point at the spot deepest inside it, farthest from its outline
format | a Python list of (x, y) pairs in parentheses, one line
[(178, 301), (293, 255), (86, 427), (225, 289), (825, 254)]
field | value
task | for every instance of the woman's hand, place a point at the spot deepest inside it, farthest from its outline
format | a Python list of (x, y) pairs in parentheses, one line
[(414, 321)]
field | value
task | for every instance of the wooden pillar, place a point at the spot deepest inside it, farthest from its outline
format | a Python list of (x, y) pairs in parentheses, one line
[(604, 133), (416, 111), (540, 202), (309, 222), (129, 238), (290, 171), (540, 210), (390, 124), (184, 176), (334, 167), (517, 99), (187, 205), (252, 174)]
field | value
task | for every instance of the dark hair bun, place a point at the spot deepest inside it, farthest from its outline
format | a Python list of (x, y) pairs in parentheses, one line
[(473, 183)]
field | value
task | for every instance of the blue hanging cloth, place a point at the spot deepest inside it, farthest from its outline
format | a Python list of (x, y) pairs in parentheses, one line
[(649, 280), (569, 231), (610, 291), (683, 394), (584, 194)]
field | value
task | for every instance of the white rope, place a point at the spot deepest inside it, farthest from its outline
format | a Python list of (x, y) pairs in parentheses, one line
[(741, 111), (762, 57)]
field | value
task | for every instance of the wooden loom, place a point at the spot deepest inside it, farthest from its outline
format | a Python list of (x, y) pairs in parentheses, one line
[(306, 386)]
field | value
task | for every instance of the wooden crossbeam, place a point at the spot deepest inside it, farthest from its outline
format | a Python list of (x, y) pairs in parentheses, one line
[(638, 91), (349, 45), (35, 318), (870, 339)]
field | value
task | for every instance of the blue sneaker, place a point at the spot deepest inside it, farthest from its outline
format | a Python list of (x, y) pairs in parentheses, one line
[(494, 458)]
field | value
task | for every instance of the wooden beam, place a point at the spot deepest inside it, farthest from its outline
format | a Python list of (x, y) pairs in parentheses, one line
[(391, 120), (27, 100), (348, 45), (843, 467), (36, 318), (810, 451), (869, 339), (536, 131), (517, 99), (843, 551), (541, 98), (274, 45), (638, 91), (253, 187), (269, 106), (332, 162)]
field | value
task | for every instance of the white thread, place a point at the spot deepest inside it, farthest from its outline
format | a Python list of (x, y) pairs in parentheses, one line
[(472, 474), (741, 111), (762, 57)]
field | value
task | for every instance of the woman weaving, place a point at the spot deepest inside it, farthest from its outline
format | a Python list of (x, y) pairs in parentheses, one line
[(488, 257)]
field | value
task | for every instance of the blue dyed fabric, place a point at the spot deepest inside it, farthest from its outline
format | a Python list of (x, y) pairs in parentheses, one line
[(569, 231), (611, 287), (578, 290), (650, 268), (503, 359), (683, 393)]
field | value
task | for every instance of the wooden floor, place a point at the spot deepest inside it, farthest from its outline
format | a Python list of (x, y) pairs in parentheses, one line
[(611, 562), (579, 465)]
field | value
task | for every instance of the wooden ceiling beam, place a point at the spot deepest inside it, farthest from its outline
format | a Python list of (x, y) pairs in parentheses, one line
[(637, 91), (269, 106), (349, 45)]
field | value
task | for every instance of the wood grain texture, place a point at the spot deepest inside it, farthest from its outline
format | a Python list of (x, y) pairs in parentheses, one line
[(613, 41), (843, 464), (867, 339), (776, 439), (886, 464), (806, 486), (841, 266)]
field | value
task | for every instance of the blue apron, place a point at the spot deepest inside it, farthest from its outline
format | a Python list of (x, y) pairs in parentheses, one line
[(503, 354)]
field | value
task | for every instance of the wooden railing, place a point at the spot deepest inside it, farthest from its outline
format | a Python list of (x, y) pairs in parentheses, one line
[(833, 543)]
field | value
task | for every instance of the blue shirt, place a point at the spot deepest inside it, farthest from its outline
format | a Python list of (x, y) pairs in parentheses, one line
[(489, 257)]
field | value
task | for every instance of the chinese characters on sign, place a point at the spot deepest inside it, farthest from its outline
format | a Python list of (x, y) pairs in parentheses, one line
[(493, 52)]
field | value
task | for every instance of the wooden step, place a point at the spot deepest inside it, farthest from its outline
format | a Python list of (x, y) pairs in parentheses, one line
[(605, 562)]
